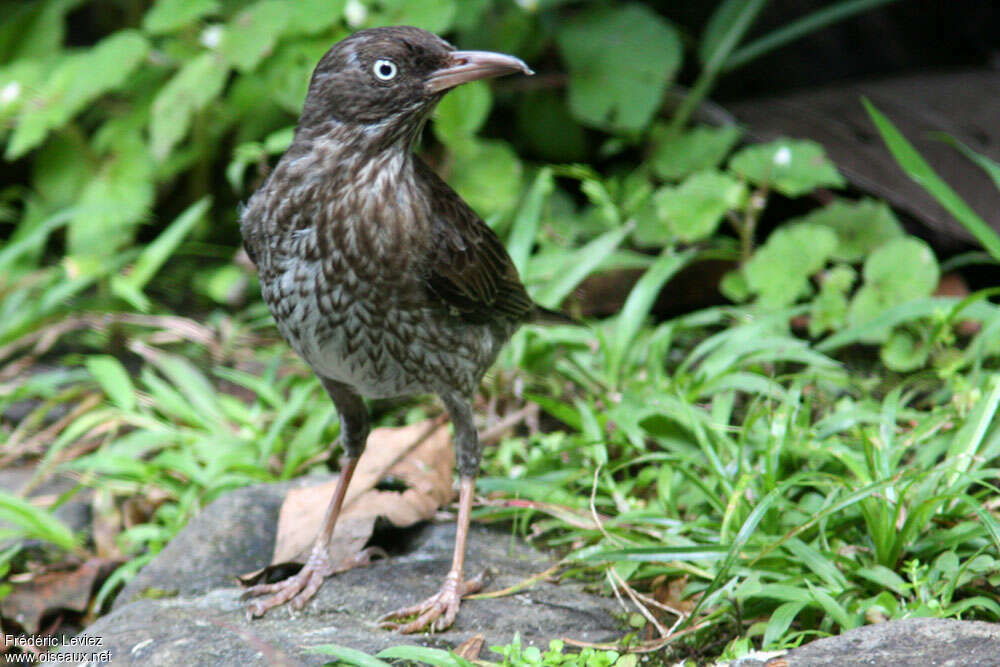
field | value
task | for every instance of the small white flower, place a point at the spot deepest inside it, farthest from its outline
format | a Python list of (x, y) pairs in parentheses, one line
[(528, 5), (783, 156), (211, 36), (355, 13), (10, 92)]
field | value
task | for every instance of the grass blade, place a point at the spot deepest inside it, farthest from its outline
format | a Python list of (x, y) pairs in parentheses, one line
[(917, 169)]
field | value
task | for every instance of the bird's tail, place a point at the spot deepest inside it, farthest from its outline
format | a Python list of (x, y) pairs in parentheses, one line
[(540, 315)]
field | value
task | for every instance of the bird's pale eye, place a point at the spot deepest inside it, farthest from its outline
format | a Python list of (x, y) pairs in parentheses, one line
[(385, 70)]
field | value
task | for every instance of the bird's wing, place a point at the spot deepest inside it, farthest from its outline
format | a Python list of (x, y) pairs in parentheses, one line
[(468, 268)]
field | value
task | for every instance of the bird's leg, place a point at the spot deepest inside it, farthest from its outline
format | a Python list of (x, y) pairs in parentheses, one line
[(300, 588), (438, 612)]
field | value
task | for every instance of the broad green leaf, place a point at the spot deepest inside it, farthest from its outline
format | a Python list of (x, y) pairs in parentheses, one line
[(828, 310), (697, 149), (312, 17), (487, 173), (18, 81), (902, 270), (620, 61), (61, 169), (904, 352), (112, 203), (462, 112), (252, 34), (861, 226), (199, 82), (917, 168), (433, 15), (779, 271), (693, 210), (113, 378), (78, 80), (791, 167), (546, 129), (169, 15), (33, 30)]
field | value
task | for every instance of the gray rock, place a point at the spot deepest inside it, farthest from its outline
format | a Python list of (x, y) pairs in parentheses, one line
[(913, 642), (205, 622)]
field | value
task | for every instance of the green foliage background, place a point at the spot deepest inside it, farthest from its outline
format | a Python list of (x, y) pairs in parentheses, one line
[(796, 479)]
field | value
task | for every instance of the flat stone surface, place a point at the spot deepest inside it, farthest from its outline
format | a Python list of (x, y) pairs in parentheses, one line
[(205, 621), (913, 642)]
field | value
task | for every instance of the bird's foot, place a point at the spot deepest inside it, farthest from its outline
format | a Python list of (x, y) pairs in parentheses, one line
[(437, 612), (299, 588)]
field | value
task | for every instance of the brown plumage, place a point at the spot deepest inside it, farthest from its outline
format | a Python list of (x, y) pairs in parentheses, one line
[(375, 270)]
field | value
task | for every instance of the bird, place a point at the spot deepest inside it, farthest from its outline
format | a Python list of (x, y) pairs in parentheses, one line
[(379, 275)]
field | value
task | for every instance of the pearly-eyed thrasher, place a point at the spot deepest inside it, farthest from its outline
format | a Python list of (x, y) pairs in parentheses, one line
[(378, 274)]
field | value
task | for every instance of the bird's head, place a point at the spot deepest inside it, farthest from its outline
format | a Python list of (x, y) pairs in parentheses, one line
[(385, 81)]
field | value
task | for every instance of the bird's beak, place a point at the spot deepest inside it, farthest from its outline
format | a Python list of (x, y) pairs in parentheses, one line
[(465, 66)]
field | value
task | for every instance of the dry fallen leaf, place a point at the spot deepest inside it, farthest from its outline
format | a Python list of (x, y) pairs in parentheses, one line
[(470, 648), (420, 455), (29, 601)]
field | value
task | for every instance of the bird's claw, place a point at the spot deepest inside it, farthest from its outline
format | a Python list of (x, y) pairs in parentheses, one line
[(437, 612), (298, 589)]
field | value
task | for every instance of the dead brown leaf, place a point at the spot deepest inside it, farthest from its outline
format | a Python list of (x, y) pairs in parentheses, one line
[(30, 600), (471, 648), (421, 455)]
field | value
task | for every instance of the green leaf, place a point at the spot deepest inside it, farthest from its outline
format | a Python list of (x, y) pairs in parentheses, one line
[(693, 210), (779, 271), (462, 112), (78, 80), (35, 522), (423, 655), (546, 129), (33, 30), (166, 16), (828, 310), (578, 266), (487, 173), (433, 15), (525, 228), (904, 352), (697, 149), (725, 26), (861, 226), (351, 656), (917, 168), (252, 34), (902, 270), (118, 197), (155, 254), (200, 81), (791, 167), (779, 623), (991, 168), (640, 300), (113, 378), (312, 17), (620, 61)]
